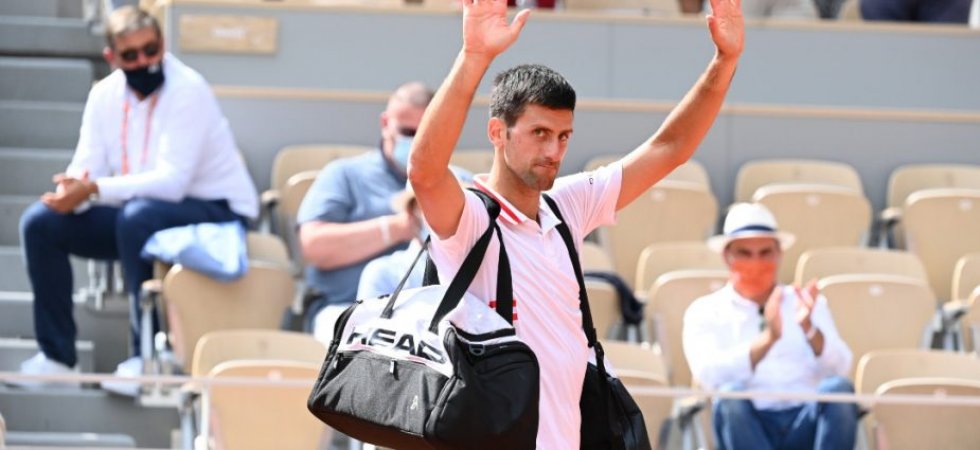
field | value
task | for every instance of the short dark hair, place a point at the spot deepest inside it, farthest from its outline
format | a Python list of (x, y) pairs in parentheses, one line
[(127, 19), (515, 88)]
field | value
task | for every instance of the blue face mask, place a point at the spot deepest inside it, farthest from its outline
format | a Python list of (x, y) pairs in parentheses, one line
[(403, 145)]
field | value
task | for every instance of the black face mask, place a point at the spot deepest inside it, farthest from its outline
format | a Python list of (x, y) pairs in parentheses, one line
[(145, 80)]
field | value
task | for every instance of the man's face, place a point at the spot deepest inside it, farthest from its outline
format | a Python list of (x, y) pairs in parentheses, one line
[(140, 48), (399, 119), (764, 249), (535, 145)]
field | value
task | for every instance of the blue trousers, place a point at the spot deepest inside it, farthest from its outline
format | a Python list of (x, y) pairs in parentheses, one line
[(101, 232), (738, 425)]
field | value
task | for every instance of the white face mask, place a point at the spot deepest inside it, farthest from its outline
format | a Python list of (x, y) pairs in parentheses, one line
[(403, 146)]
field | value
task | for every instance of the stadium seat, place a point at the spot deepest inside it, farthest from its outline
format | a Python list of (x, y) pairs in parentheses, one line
[(291, 197), (594, 257), (639, 366), (822, 262), (668, 298), (662, 257), (880, 366), (755, 174), (879, 312), (941, 227), (690, 172), (669, 211), (604, 306), (818, 215), (966, 276), (246, 417), (907, 179), (900, 426)]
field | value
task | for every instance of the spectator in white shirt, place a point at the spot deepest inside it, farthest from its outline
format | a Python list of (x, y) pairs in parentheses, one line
[(758, 335), (154, 152), (530, 126)]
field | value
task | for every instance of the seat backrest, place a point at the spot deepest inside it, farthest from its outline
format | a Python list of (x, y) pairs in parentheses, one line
[(655, 409), (268, 248), (635, 357), (902, 426), (850, 11), (290, 199), (197, 305), (818, 215), (217, 347), (690, 172), (662, 257), (666, 212), (294, 159), (475, 161), (821, 262), (247, 417), (755, 174), (970, 323), (907, 179), (604, 306), (966, 276), (878, 312), (880, 366), (941, 227), (594, 257), (668, 298), (647, 7)]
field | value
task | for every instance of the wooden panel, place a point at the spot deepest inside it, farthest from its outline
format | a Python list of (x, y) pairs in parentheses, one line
[(228, 34)]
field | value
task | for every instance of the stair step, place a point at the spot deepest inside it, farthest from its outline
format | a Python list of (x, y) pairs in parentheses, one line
[(39, 124), (47, 36), (69, 440), (11, 208), (42, 8), (28, 171), (13, 351), (45, 79), (86, 411)]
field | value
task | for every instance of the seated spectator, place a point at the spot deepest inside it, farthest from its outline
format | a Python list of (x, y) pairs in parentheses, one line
[(346, 219), (784, 9), (755, 334), (154, 152), (938, 11)]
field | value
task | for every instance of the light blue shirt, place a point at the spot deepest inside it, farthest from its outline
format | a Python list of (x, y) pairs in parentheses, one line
[(382, 275)]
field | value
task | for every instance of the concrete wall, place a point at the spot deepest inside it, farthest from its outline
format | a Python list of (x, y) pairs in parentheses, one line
[(872, 96)]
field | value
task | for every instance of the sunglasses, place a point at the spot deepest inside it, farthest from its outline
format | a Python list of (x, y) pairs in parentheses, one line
[(149, 50)]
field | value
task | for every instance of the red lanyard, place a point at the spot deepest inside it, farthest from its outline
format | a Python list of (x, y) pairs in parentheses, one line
[(125, 133)]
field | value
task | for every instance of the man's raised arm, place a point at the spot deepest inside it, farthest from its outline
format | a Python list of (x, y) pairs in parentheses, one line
[(486, 34), (685, 126)]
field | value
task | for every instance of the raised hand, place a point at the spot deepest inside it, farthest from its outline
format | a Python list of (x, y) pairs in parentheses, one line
[(485, 28), (772, 314), (806, 298), (727, 27)]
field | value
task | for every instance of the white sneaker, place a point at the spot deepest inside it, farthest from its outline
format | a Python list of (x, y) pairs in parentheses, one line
[(130, 368), (42, 365)]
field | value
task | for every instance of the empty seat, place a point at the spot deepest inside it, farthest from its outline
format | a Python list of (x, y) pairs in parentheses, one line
[(604, 305), (662, 257), (639, 366), (880, 366), (822, 262), (691, 171), (901, 426), (941, 227), (910, 178), (878, 312), (818, 215), (755, 174), (667, 300), (668, 211), (966, 276), (594, 257)]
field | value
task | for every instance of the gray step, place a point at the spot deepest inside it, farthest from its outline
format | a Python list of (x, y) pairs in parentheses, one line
[(13, 351), (107, 330), (46, 36), (39, 124), (45, 79), (11, 208), (13, 274), (69, 440), (28, 171), (42, 8), (86, 411)]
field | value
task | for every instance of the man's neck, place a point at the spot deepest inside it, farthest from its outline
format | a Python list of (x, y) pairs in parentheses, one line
[(523, 197)]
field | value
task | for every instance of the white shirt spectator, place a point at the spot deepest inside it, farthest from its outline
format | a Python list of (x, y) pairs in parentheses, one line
[(719, 329), (546, 310), (177, 142)]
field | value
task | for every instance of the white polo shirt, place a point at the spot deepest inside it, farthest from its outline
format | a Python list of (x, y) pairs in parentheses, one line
[(546, 309)]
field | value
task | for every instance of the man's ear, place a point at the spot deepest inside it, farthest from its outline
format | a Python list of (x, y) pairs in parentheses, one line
[(496, 131), (109, 56)]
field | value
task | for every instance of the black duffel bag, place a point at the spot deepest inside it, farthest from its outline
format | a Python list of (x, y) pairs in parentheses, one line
[(433, 367)]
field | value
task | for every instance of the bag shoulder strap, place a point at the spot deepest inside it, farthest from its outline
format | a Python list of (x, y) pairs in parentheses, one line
[(587, 325)]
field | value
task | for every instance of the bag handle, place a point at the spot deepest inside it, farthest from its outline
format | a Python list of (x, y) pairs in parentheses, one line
[(467, 272), (583, 298)]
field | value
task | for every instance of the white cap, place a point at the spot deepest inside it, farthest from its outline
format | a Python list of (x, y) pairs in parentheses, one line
[(749, 220)]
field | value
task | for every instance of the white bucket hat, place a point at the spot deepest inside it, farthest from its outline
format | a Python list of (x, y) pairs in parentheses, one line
[(749, 220)]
